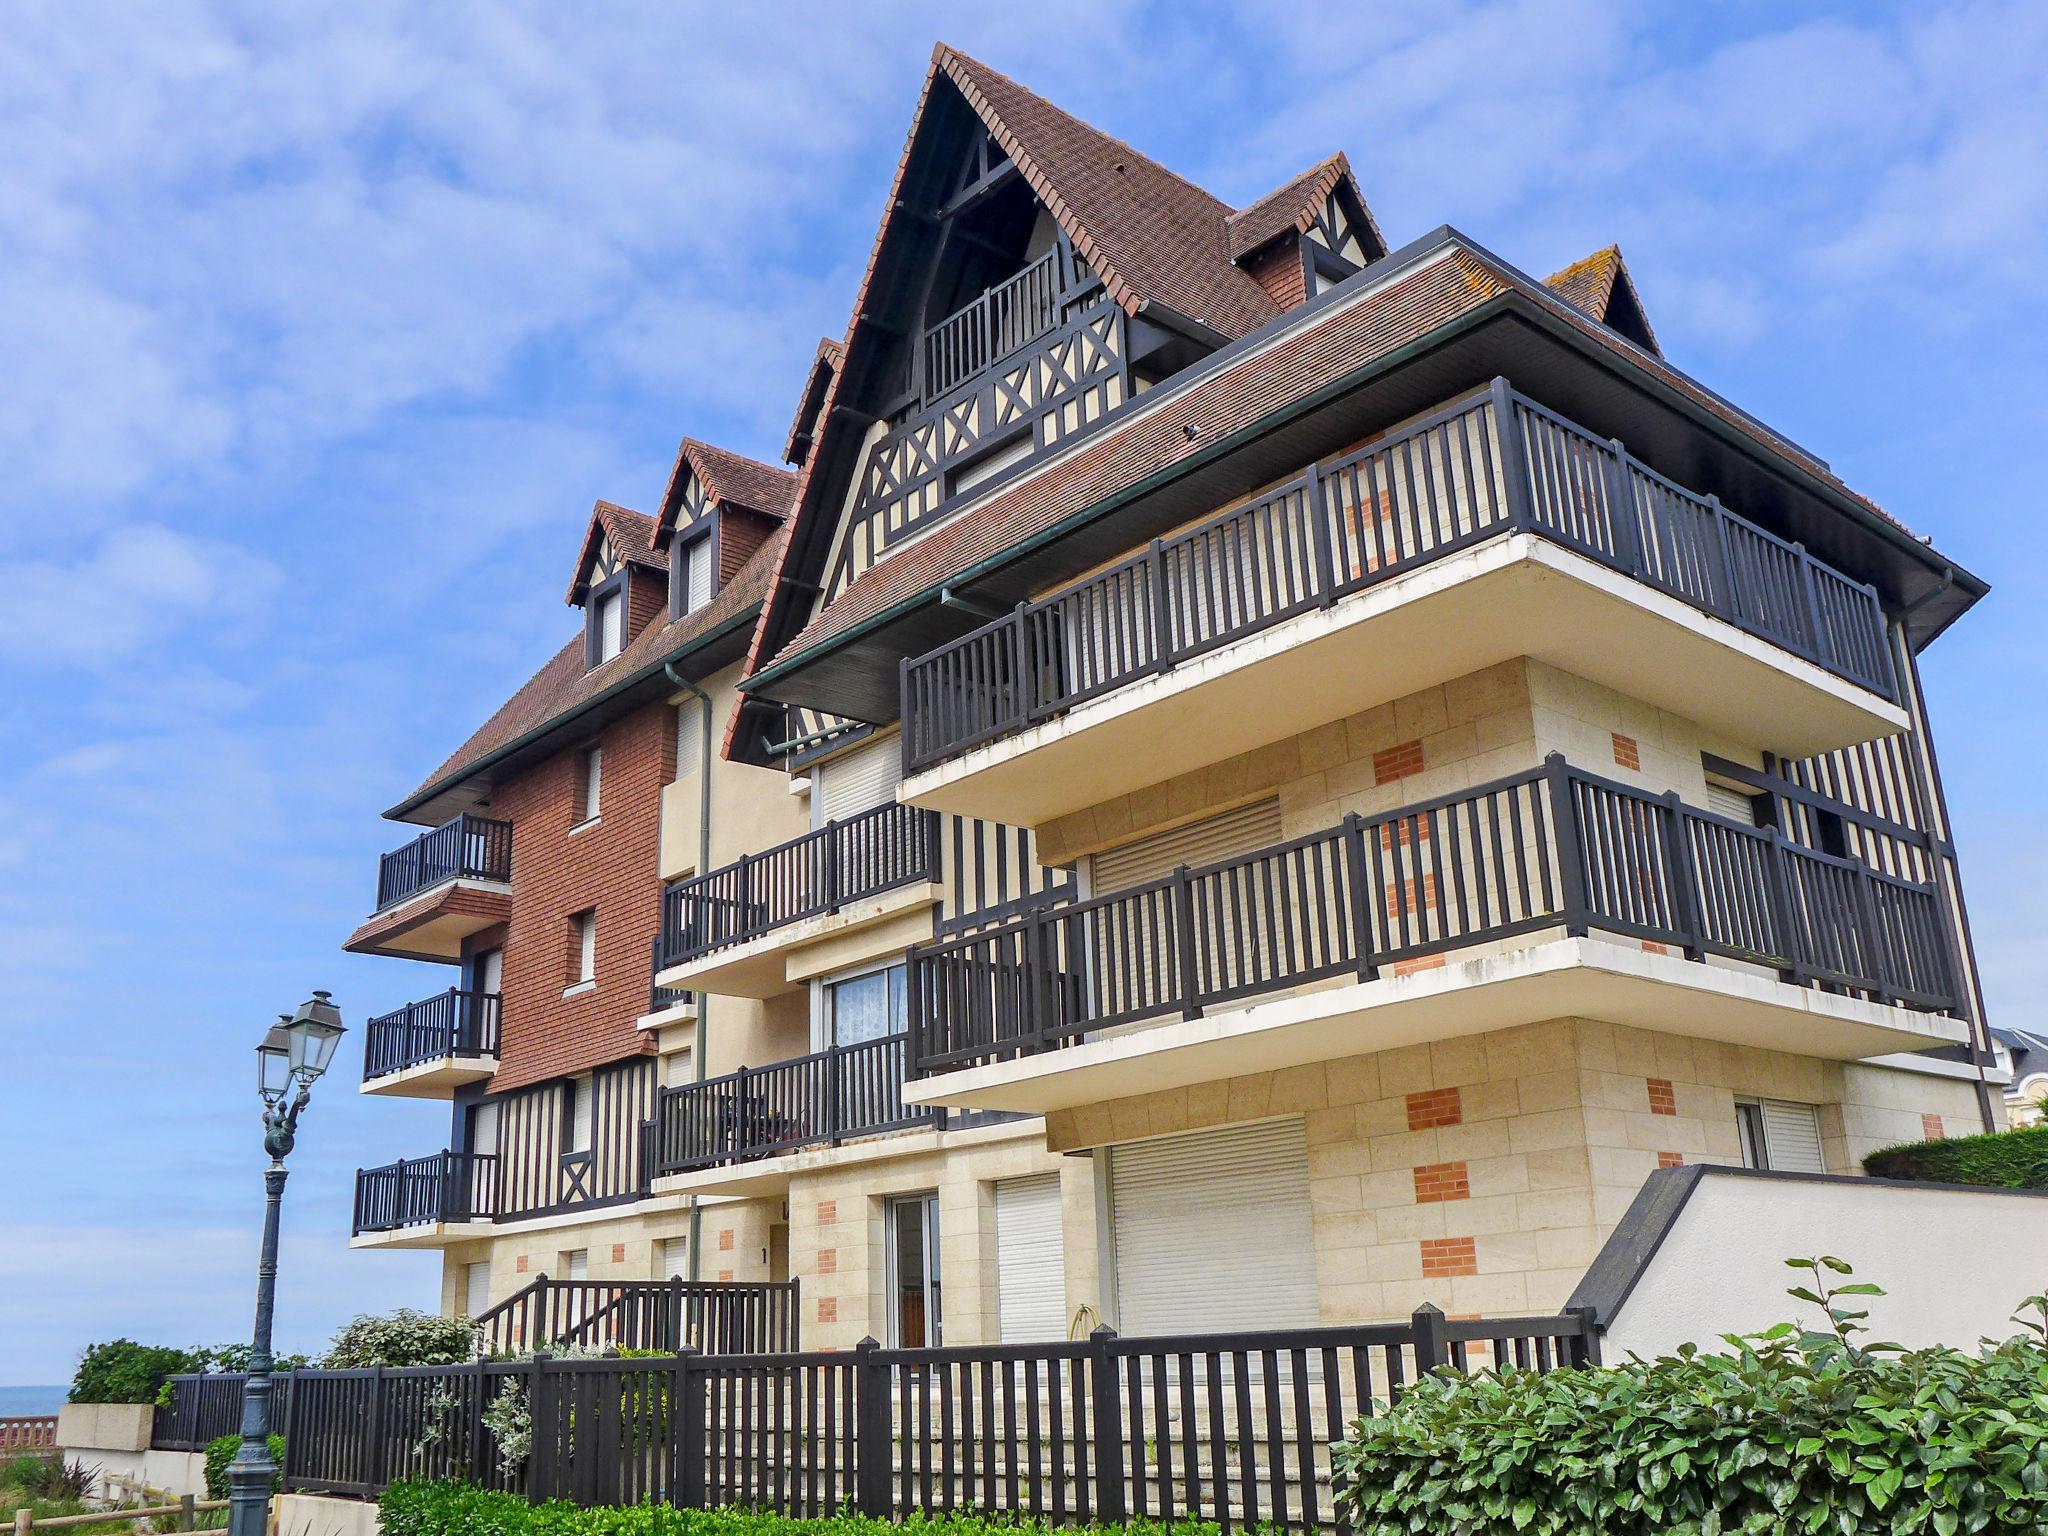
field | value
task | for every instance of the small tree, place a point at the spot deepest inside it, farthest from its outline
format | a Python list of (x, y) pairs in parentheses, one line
[(406, 1337), (123, 1371)]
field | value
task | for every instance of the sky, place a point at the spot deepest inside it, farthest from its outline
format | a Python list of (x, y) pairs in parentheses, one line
[(322, 326)]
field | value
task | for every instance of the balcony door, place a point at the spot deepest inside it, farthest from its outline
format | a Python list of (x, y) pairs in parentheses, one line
[(913, 1237)]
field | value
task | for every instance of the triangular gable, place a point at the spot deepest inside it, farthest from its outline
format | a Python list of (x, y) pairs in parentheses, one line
[(1600, 285), (1302, 204), (703, 474), (615, 537), (797, 446)]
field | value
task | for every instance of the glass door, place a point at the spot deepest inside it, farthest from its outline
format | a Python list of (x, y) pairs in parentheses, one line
[(914, 1310)]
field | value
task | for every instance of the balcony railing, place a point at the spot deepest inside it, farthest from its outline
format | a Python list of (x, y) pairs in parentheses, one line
[(714, 1317), (1552, 847), (1017, 310), (457, 1022), (420, 1191), (467, 848), (1439, 486), (820, 1099), (658, 996), (821, 871)]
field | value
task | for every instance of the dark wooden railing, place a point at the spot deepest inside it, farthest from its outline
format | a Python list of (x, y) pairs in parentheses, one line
[(443, 1186), (820, 1099), (458, 1022), (28, 1432), (819, 872), (203, 1407), (1231, 1428), (467, 848), (658, 996), (1554, 847), (1445, 483), (1017, 310), (719, 1317)]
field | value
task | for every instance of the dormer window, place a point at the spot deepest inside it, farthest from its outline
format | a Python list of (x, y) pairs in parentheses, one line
[(692, 566), (605, 621)]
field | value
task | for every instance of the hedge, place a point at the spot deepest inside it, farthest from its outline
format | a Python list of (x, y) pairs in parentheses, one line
[(222, 1451), (1790, 1431), (458, 1509), (2003, 1159)]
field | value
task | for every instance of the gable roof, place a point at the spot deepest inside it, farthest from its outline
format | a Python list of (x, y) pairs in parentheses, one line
[(824, 364), (730, 479), (628, 532), (1293, 205), (1600, 285)]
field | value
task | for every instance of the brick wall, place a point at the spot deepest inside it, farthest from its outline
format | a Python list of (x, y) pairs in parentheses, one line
[(556, 872)]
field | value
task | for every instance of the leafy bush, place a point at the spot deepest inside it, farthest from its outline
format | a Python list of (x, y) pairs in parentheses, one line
[(2003, 1159), (458, 1509), (123, 1371), (405, 1337), (1791, 1431), (222, 1451)]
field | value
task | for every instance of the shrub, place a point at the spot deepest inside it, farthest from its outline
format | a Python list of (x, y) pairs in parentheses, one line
[(25, 1473), (123, 1371), (1791, 1431), (222, 1451), (2003, 1159), (405, 1337), (457, 1509)]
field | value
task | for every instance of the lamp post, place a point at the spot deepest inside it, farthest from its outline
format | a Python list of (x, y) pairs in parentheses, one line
[(294, 1052)]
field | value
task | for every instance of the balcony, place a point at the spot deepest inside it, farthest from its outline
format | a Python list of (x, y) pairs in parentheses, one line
[(424, 1201), (665, 1005), (1014, 313), (824, 1099), (1552, 893), (427, 1049), (731, 931), (438, 889), (1443, 549)]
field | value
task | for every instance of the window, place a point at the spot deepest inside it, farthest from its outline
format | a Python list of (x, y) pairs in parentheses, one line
[(608, 625), (691, 561), (870, 1007), (1736, 804), (689, 738), (483, 1127), (589, 778), (914, 1314), (581, 1113), (677, 1069), (1780, 1135), (673, 1257), (583, 948), (476, 1288)]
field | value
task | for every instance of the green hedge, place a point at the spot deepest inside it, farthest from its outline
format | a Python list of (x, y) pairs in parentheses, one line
[(458, 1509), (222, 1451), (2003, 1159), (1800, 1432)]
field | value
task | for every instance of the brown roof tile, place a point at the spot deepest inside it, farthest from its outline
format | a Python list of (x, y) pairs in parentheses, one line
[(628, 531), (1594, 282), (824, 364), (731, 479), (1291, 205)]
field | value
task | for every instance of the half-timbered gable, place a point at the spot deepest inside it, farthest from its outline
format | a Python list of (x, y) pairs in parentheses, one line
[(718, 509), (619, 581)]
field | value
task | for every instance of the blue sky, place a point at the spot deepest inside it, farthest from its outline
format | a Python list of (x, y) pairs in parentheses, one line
[(322, 325)]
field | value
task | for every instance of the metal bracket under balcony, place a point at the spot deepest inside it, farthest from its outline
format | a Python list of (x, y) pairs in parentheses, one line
[(427, 1049)]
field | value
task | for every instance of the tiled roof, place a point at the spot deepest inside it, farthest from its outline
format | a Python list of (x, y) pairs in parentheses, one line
[(1593, 283), (629, 533), (824, 364), (730, 479), (1291, 205), (563, 683)]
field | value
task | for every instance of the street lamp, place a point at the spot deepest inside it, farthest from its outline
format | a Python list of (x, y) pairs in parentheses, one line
[(294, 1052)]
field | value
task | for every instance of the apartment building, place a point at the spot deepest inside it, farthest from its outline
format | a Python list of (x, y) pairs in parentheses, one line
[(1242, 777)]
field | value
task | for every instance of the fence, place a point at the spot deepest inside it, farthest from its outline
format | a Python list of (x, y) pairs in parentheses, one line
[(457, 1022), (472, 847), (1449, 481), (1554, 847), (28, 1432), (203, 1408), (1014, 311), (726, 1317), (1235, 1428)]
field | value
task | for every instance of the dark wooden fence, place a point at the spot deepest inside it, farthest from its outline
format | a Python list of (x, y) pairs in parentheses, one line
[(1554, 847), (469, 847), (457, 1022), (1235, 1428), (819, 1099), (202, 1408), (421, 1191), (722, 1317), (1455, 478), (842, 861)]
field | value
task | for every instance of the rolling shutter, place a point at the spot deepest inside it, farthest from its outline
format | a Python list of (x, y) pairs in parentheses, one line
[(1792, 1137), (697, 583), (476, 1288), (1244, 830), (1031, 1272), (857, 781), (1212, 1231), (1735, 804)]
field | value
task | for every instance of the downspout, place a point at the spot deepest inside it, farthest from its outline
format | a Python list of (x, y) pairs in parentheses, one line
[(685, 686)]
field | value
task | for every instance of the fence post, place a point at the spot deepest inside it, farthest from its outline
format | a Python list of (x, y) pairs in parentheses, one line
[(1783, 918), (289, 1425), (688, 1418), (1621, 512), (1514, 460), (1020, 651), (1325, 546), (1816, 632), (373, 1452), (479, 1436), (1722, 603), (1586, 1349), (1106, 1428), (1432, 1352), (185, 1503), (541, 1446), (872, 1455), (828, 867), (1187, 972), (1564, 818), (1361, 900), (1162, 617), (1678, 860)]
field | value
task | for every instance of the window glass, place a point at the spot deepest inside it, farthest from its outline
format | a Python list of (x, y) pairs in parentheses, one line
[(914, 1314), (870, 1007), (590, 779), (611, 624), (585, 928), (689, 738)]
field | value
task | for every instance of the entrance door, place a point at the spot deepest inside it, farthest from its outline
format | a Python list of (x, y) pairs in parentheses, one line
[(914, 1311)]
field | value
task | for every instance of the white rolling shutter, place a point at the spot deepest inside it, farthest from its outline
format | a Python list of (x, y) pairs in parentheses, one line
[(697, 581), (1792, 1137), (675, 1258), (856, 781), (1031, 1275), (1735, 804), (1212, 1231), (1244, 830), (476, 1280)]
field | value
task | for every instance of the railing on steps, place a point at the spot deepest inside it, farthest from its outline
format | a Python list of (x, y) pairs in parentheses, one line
[(727, 1317)]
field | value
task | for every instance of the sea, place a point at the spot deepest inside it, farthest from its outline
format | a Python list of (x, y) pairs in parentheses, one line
[(15, 1401)]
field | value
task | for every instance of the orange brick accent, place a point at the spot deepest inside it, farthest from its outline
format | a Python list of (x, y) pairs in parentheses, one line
[(1663, 1100), (828, 1309), (1670, 1160), (725, 1274), (1436, 1106), (1651, 946), (1931, 1128), (1436, 1182), (1410, 897), (828, 1212), (1397, 762), (725, 1239), (1626, 753), (1399, 834), (1425, 963), (1446, 1256), (618, 1253), (519, 1265), (828, 1261)]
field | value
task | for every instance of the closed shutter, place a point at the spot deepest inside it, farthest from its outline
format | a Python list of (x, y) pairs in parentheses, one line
[(1244, 830), (1212, 1231), (483, 1128), (1792, 1137), (1735, 804), (675, 1258), (698, 592), (476, 1288), (856, 781), (579, 1264), (1031, 1276)]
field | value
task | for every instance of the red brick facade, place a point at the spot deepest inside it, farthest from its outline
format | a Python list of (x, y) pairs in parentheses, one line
[(611, 865)]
